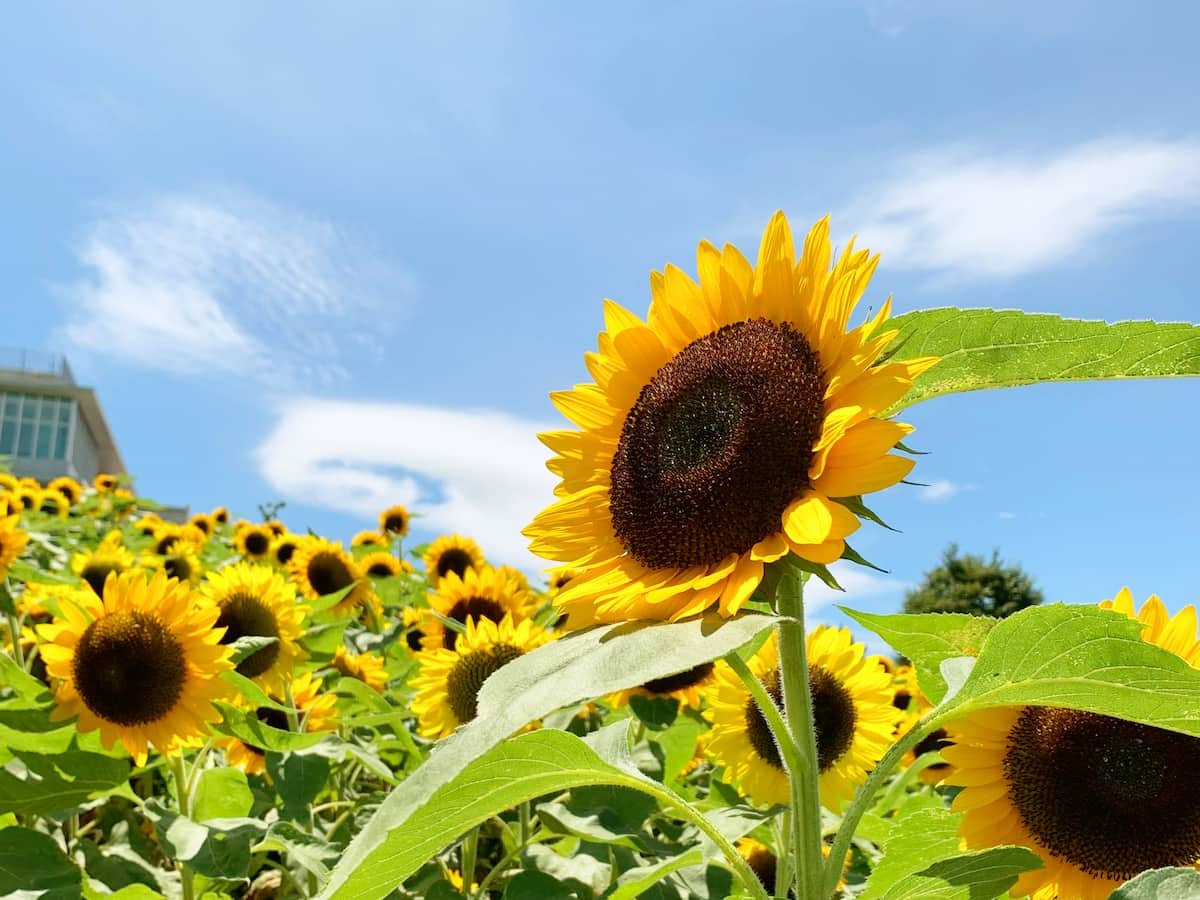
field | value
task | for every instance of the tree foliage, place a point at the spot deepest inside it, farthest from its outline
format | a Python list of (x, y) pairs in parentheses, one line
[(968, 583)]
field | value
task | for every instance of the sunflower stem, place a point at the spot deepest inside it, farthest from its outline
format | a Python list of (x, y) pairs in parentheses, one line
[(783, 855), (788, 749), (797, 706), (293, 719), (524, 818), (185, 810), (470, 846), (862, 800), (14, 631)]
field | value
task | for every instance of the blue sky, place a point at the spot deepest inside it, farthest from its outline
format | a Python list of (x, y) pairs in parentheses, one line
[(339, 256)]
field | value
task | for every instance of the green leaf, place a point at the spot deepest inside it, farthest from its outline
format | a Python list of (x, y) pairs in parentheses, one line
[(298, 778), (219, 848), (539, 886), (1161, 884), (1081, 657), (987, 348), (568, 671), (32, 863), (302, 848), (678, 745), (655, 712), (222, 794), (58, 782), (248, 728), (633, 883), (247, 646), (928, 639), (604, 814), (28, 689), (919, 839), (31, 731)]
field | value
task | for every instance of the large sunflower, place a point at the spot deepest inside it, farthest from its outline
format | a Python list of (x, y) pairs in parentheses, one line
[(852, 709), (256, 601), (12, 542), (320, 567), (142, 664), (449, 680), (483, 593), (719, 433), (452, 553), (1098, 799), (314, 712), (94, 566)]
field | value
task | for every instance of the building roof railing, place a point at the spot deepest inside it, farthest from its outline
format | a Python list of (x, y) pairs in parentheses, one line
[(36, 362)]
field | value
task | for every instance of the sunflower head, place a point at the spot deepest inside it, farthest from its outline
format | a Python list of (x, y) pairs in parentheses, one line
[(29, 497), (255, 601), (720, 432), (483, 593), (9, 483), (277, 528), (365, 667), (103, 483), (1100, 799), (449, 680), (687, 687), (220, 515), (204, 522), (394, 521), (95, 566), (320, 567), (370, 539), (451, 554), (53, 503), (70, 489), (180, 561), (383, 565), (254, 542), (315, 712), (283, 549), (141, 664), (12, 542)]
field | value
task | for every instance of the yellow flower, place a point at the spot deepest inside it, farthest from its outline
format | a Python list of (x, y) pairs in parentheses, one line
[(94, 566), (483, 593), (1099, 799), (53, 503), (720, 434), (142, 664), (383, 565), (394, 521), (284, 548), (366, 667), (449, 680), (103, 483), (319, 568), (852, 701), (254, 542), (369, 539), (12, 542), (204, 522), (180, 561), (686, 687), (451, 553), (315, 712), (220, 515), (70, 489)]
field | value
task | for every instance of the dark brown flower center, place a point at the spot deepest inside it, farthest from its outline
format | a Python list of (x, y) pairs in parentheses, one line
[(834, 717), (471, 608), (680, 680), (165, 543), (717, 446), (469, 674), (328, 573), (178, 567), (1111, 797), (381, 568), (284, 552), (129, 668), (395, 523), (257, 543), (454, 560), (245, 615), (97, 571), (935, 740), (413, 639)]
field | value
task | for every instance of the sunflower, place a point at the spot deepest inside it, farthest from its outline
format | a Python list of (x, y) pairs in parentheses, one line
[(412, 619), (852, 708), (103, 483), (560, 578), (29, 497), (686, 687), (12, 542), (315, 712), (394, 521), (320, 567), (254, 542), (366, 667), (370, 539), (479, 594), (94, 566), (1099, 799), (204, 522), (449, 680), (142, 664), (180, 561), (763, 862), (452, 553), (283, 548), (383, 565), (220, 515), (52, 503), (907, 697), (719, 434), (277, 528), (149, 524), (10, 505), (70, 489), (256, 601), (9, 483)]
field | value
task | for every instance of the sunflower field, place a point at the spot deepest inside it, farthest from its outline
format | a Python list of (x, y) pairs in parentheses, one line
[(231, 709)]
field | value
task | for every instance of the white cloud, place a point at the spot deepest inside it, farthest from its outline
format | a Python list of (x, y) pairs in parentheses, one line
[(860, 584), (971, 214), (939, 490), (229, 283), (479, 473), (1008, 515)]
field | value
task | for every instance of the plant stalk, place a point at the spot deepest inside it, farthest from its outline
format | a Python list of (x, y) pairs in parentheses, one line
[(185, 810)]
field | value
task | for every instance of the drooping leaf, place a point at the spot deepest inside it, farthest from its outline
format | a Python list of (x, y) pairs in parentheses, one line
[(60, 781), (248, 728), (218, 848), (988, 348), (33, 864)]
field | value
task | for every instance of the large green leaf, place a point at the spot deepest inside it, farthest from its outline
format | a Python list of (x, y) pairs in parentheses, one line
[(60, 781), (1161, 884), (1081, 657), (222, 793), (33, 864), (928, 639), (564, 672), (988, 348)]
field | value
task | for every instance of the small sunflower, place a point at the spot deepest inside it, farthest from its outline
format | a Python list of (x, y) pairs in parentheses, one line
[(148, 524), (366, 667), (907, 697), (256, 601), (167, 535), (10, 505), (484, 593), (320, 567), (277, 528), (412, 619), (687, 688), (220, 515), (852, 708), (1099, 799), (315, 712), (449, 680), (12, 542), (719, 435), (94, 566), (204, 522), (70, 489), (560, 578), (394, 521), (370, 539), (180, 561), (142, 664), (284, 548), (103, 483), (452, 553), (52, 503), (763, 862), (254, 542), (29, 497), (383, 565), (9, 482)]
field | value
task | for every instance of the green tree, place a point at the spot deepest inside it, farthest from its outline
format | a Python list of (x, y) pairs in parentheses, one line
[(971, 584)]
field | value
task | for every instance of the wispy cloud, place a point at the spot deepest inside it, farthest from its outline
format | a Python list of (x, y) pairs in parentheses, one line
[(965, 213), (939, 490), (229, 283), (478, 473), (859, 585)]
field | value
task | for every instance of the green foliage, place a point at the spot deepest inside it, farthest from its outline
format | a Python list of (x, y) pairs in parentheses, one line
[(970, 584), (32, 863), (1161, 884)]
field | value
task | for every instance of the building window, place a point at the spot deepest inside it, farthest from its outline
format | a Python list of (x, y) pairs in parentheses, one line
[(35, 427)]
